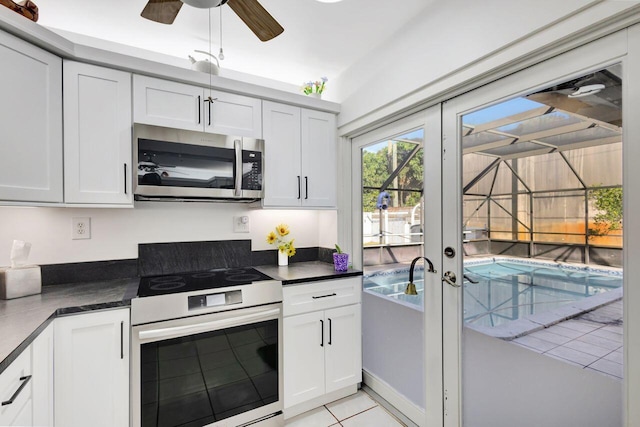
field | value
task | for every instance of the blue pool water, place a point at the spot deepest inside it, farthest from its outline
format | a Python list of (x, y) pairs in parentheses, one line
[(506, 289)]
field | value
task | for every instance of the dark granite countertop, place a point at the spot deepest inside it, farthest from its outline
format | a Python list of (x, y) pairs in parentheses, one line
[(303, 272), (22, 319)]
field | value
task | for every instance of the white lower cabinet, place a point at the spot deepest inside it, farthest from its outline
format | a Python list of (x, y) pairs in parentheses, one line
[(322, 347), (42, 368), (16, 392), (26, 386), (92, 369)]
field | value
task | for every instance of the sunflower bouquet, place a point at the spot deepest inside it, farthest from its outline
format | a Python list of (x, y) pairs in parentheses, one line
[(278, 238)]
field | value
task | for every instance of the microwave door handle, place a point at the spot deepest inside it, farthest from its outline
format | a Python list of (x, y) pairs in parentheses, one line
[(206, 326), (237, 188)]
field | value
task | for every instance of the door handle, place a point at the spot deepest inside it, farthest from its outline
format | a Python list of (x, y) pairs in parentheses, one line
[(122, 339), (125, 178), (306, 187), (450, 278), (199, 112), (299, 191), (321, 333), (15, 395), (329, 331)]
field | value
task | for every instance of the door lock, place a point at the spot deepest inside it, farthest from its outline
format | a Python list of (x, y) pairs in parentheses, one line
[(449, 252), (450, 278)]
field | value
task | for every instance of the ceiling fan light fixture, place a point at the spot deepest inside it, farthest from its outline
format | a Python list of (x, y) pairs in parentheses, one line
[(204, 4), (586, 90)]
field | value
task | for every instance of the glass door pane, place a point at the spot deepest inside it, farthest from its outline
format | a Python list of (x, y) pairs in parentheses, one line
[(542, 312)]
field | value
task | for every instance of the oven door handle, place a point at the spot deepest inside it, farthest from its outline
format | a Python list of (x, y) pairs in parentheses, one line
[(206, 326)]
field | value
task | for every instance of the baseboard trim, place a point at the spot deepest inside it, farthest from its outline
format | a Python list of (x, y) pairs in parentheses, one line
[(397, 400)]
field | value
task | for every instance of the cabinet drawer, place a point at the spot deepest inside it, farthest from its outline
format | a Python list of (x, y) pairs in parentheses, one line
[(321, 295), (10, 382)]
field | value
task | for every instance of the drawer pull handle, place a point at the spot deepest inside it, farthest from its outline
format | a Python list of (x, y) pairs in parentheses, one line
[(24, 380), (325, 296)]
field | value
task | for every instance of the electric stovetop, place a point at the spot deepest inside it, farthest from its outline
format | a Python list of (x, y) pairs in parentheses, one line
[(199, 280)]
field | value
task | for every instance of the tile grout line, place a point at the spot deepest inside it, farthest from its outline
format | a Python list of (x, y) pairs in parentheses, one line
[(361, 412)]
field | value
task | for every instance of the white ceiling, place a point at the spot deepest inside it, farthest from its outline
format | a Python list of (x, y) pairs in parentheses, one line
[(320, 39)]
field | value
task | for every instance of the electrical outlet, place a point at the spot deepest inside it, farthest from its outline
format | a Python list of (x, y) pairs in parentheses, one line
[(80, 228), (241, 224)]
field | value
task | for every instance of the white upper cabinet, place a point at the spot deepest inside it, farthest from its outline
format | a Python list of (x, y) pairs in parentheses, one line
[(300, 157), (176, 105), (319, 167), (282, 176), (97, 134), (30, 123)]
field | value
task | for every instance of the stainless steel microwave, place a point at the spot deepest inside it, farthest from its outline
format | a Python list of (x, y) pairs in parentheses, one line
[(189, 165)]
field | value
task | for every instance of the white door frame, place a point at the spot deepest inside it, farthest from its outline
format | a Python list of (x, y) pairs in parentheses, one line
[(624, 47)]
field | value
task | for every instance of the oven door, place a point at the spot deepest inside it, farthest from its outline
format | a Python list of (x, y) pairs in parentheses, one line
[(221, 369)]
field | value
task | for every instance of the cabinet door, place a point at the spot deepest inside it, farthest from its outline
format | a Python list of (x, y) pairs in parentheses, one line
[(97, 134), (343, 352), (30, 123), (303, 357), (319, 168), (42, 368), (16, 383), (231, 114), (92, 369), (169, 104), (282, 177)]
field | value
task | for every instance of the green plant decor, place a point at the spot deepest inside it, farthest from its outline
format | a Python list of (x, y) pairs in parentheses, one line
[(608, 202)]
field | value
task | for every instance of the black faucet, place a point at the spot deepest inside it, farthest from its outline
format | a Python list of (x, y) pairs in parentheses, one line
[(411, 288)]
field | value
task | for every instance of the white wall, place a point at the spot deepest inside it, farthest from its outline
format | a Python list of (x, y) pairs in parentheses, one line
[(115, 233), (447, 36), (506, 385)]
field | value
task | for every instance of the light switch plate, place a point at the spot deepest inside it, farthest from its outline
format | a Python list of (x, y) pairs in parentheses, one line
[(241, 224)]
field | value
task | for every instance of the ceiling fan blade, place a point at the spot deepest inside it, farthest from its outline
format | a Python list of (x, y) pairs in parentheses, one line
[(162, 11), (257, 18)]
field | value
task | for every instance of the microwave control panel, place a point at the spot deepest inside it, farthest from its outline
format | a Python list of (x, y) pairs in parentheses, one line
[(251, 170)]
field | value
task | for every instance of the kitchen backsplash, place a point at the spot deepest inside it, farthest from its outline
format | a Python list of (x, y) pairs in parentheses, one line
[(168, 258), (116, 233)]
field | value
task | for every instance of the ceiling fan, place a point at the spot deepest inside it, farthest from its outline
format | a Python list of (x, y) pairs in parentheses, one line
[(251, 12)]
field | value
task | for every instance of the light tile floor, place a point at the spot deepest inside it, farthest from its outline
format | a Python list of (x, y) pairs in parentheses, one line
[(592, 340), (358, 410)]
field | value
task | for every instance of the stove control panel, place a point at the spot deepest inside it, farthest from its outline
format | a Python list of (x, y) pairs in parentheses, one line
[(215, 299)]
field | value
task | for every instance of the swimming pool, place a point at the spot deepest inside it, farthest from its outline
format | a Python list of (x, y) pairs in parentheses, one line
[(507, 289)]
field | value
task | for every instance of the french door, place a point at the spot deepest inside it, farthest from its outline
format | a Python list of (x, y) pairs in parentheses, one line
[(488, 375)]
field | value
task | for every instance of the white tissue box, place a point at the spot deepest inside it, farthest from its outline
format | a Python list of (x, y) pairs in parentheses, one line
[(20, 281)]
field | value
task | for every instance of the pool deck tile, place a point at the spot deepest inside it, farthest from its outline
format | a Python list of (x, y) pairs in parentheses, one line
[(535, 343), (591, 349), (604, 333), (615, 356), (580, 326), (600, 342), (594, 341), (608, 367), (565, 332), (572, 355), (551, 337)]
